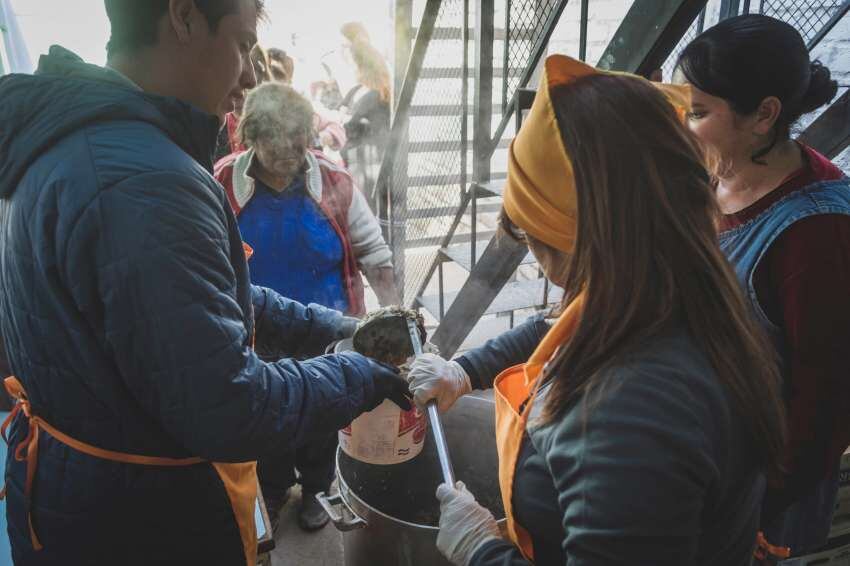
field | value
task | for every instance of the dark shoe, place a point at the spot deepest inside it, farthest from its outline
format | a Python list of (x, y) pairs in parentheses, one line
[(311, 515), (274, 504)]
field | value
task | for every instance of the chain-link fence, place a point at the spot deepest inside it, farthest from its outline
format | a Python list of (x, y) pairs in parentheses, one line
[(525, 25), (808, 16), (427, 180)]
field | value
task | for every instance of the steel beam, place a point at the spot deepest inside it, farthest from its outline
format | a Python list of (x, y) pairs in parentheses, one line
[(648, 34), (482, 117), (582, 33), (729, 8), (401, 114), (830, 132), (396, 231), (495, 268)]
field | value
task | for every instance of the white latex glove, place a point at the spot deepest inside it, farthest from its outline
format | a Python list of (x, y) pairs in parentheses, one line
[(464, 524), (432, 377)]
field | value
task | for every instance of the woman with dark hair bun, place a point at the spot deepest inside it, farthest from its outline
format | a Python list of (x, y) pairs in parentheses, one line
[(786, 228)]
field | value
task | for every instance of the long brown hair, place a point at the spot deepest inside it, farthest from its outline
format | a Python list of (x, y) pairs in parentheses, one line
[(647, 254), (372, 70)]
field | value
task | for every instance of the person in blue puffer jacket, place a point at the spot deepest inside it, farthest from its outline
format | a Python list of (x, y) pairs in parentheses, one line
[(127, 311)]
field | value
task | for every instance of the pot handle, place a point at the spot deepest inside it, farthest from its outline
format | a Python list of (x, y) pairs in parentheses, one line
[(330, 503)]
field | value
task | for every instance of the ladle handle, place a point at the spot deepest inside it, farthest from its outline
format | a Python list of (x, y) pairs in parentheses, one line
[(440, 440), (434, 416)]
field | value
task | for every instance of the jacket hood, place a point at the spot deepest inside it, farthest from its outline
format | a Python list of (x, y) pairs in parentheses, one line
[(66, 94)]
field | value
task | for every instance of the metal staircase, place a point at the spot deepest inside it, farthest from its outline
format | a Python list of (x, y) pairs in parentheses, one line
[(482, 109), (646, 36)]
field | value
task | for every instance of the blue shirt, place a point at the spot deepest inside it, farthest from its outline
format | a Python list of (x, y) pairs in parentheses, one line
[(297, 252)]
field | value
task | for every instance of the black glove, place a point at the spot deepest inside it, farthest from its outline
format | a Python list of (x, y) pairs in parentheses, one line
[(388, 385)]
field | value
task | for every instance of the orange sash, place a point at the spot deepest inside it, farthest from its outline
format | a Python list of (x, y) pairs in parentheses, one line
[(240, 480), (516, 386)]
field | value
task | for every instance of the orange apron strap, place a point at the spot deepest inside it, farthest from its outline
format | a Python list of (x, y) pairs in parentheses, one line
[(561, 331), (27, 449), (240, 482), (764, 549), (513, 388), (249, 251)]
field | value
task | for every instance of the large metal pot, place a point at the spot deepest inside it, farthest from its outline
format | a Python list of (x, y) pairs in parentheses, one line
[(389, 514)]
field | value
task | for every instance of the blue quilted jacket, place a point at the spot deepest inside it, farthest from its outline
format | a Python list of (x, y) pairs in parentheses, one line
[(126, 312)]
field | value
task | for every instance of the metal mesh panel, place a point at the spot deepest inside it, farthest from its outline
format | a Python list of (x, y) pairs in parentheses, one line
[(693, 31), (806, 15), (428, 176), (526, 22)]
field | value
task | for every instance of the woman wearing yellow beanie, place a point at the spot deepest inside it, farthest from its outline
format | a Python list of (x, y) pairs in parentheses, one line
[(639, 429)]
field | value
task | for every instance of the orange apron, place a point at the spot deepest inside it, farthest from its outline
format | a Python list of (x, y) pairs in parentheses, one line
[(516, 386), (239, 479)]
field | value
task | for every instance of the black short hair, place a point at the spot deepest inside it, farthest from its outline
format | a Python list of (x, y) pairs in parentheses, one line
[(134, 22)]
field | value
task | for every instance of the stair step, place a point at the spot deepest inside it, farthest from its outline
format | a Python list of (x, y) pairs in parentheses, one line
[(443, 180), (513, 296), (452, 145), (494, 188), (446, 109), (460, 254), (457, 73), (455, 33)]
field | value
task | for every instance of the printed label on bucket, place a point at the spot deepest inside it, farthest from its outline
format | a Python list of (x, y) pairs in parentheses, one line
[(386, 435)]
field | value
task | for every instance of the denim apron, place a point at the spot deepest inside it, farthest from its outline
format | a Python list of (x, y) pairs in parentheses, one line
[(805, 525)]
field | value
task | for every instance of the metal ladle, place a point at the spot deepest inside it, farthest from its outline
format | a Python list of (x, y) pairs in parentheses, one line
[(434, 416), (394, 330)]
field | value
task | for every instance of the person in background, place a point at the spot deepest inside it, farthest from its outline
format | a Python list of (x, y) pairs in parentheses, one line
[(281, 65), (367, 109), (330, 135), (639, 429), (355, 32), (326, 92), (127, 312), (786, 228), (227, 142), (313, 234)]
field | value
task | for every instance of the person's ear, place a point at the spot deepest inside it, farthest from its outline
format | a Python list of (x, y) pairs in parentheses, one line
[(766, 115), (183, 19)]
